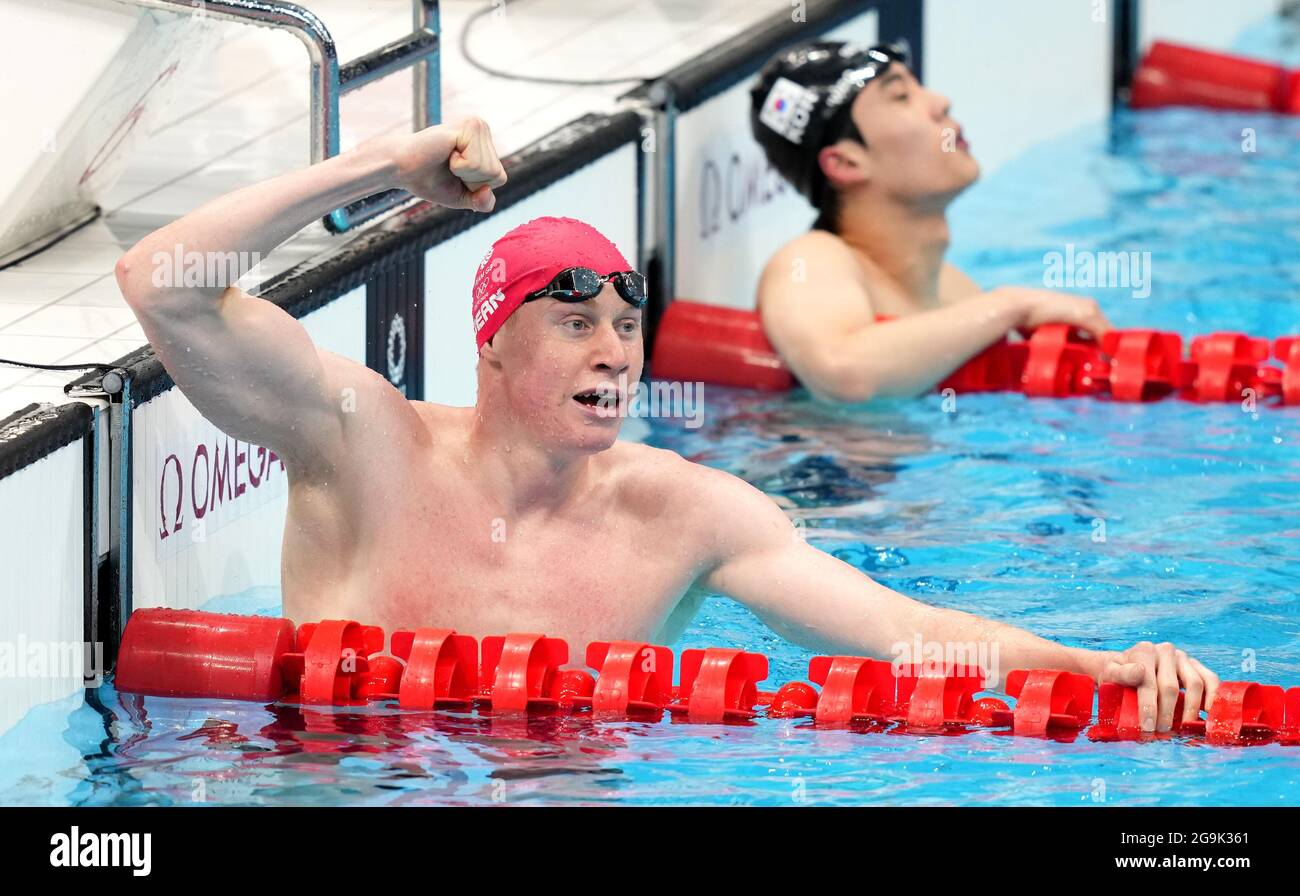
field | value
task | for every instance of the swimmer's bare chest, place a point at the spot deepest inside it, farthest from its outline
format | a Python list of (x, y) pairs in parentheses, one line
[(401, 540)]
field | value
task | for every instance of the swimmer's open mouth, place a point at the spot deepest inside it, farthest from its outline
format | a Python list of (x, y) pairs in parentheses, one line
[(605, 397)]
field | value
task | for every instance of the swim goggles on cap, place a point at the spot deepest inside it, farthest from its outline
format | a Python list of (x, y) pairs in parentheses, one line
[(579, 284), (871, 63)]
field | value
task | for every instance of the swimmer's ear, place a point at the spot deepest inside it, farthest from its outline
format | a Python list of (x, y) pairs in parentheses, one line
[(488, 352), (845, 163)]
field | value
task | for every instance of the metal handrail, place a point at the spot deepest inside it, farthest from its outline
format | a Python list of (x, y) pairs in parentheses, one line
[(329, 81)]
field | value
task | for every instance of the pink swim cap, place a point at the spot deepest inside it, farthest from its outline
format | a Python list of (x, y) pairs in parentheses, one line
[(527, 258)]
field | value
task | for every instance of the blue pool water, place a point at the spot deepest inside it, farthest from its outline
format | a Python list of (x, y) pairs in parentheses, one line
[(992, 508)]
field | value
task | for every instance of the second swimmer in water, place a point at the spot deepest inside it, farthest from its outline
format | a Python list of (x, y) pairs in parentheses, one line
[(881, 159)]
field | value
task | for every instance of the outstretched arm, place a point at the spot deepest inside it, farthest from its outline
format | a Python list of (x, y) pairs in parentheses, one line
[(817, 313), (824, 604), (248, 366)]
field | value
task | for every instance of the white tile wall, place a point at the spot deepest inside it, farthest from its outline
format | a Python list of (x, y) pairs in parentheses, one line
[(1211, 24)]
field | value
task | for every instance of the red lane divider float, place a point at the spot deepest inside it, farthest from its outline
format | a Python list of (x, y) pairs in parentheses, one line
[(1119, 716), (698, 342), (854, 689), (1061, 363), (712, 344), (522, 673), (996, 369), (1174, 75), (1227, 364), (190, 653), (1290, 733), (1287, 350), (931, 699), (1243, 712), (633, 678), (1047, 701), (719, 684), (1145, 364), (441, 669), (331, 664)]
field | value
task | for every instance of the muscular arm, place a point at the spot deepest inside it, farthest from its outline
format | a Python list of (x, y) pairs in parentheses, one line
[(247, 365), (823, 604), (822, 323)]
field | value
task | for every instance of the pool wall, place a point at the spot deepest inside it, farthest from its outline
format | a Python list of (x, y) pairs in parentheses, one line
[(131, 498), (48, 548)]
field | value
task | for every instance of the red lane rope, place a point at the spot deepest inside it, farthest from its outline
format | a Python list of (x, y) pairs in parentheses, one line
[(191, 653)]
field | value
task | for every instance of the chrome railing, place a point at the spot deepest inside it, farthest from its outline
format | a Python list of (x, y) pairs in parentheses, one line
[(330, 81)]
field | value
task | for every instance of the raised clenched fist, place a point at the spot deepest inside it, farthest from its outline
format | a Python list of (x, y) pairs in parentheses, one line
[(454, 165)]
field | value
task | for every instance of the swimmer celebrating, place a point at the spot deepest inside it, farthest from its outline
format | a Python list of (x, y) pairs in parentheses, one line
[(524, 512), (879, 157)]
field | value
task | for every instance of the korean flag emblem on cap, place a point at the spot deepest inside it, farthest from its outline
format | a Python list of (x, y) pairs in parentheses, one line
[(787, 108)]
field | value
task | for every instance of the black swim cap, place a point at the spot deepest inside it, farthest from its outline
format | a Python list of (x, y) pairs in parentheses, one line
[(801, 103)]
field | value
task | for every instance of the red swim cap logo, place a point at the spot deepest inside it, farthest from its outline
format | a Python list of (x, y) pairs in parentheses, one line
[(487, 309)]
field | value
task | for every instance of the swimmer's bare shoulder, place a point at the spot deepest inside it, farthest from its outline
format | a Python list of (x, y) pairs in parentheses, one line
[(370, 409), (441, 420), (812, 290), (955, 285), (641, 478), (648, 487), (253, 371), (694, 504), (811, 260)]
